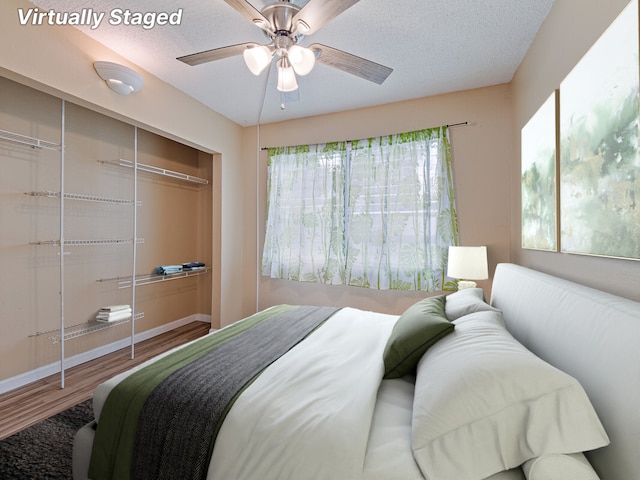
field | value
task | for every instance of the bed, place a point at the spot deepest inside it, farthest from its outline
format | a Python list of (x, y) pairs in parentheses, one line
[(541, 383)]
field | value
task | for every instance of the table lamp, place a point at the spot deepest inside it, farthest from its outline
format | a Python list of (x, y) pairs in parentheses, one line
[(467, 264)]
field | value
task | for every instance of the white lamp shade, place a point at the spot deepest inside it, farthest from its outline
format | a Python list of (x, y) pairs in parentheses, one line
[(302, 59), (119, 78), (286, 76), (469, 263), (257, 58)]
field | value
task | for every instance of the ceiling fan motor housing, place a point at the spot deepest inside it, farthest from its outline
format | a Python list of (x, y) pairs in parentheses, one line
[(280, 15)]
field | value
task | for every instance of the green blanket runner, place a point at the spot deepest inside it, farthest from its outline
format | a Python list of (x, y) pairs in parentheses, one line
[(113, 447)]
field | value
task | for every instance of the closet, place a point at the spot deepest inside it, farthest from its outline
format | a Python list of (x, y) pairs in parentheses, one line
[(91, 205)]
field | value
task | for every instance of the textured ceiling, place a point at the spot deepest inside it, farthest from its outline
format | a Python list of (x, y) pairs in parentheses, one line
[(433, 47)]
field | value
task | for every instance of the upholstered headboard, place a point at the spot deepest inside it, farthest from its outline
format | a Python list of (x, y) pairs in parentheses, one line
[(593, 336)]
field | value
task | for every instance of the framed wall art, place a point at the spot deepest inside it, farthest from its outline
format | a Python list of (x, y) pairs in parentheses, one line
[(539, 185), (599, 146)]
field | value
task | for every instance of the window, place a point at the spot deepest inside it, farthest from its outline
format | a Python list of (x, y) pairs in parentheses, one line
[(376, 213)]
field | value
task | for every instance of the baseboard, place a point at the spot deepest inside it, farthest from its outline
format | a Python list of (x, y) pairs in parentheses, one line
[(53, 368)]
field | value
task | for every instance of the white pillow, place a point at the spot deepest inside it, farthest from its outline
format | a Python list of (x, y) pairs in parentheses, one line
[(491, 318), (466, 301), (559, 467), (483, 403)]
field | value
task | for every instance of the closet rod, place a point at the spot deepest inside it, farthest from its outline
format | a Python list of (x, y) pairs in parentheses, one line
[(26, 140), (157, 170), (76, 243), (79, 196)]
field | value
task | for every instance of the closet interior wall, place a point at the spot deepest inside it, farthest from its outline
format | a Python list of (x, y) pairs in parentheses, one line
[(171, 220)]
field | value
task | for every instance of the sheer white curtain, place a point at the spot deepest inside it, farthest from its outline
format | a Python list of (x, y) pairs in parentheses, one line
[(401, 214), (304, 238), (376, 213)]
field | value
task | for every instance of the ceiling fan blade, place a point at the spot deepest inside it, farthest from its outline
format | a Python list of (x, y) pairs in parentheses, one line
[(318, 12), (353, 64), (248, 11), (215, 54)]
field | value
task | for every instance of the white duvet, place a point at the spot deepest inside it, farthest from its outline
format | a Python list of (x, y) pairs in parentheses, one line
[(309, 414), (321, 411)]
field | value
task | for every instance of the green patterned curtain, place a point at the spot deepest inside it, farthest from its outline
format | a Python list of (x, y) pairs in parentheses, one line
[(376, 213)]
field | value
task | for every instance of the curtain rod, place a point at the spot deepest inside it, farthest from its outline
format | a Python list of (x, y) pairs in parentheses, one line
[(448, 125)]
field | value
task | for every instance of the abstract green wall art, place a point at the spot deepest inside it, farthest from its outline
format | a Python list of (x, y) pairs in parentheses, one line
[(539, 198), (599, 146)]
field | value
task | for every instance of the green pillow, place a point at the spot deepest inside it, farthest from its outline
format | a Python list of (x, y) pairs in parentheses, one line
[(419, 327)]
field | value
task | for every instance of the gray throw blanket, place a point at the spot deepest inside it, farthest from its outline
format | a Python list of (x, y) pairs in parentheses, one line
[(180, 419)]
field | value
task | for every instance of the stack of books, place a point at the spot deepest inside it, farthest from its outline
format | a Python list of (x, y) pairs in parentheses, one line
[(114, 313)]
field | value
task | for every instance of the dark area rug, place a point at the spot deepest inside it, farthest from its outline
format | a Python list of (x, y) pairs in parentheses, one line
[(43, 451)]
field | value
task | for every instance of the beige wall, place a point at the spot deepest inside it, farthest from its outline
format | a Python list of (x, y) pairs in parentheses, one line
[(59, 61), (569, 31), (482, 158)]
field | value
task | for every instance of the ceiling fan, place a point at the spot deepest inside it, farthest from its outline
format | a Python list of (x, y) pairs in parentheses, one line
[(285, 24)]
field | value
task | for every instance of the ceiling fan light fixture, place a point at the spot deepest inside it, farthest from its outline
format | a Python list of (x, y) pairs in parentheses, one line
[(286, 76), (257, 58), (285, 22), (302, 59)]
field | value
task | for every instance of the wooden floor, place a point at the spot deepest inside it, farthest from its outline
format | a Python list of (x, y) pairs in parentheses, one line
[(25, 406)]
